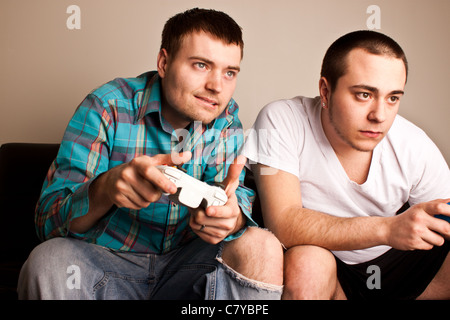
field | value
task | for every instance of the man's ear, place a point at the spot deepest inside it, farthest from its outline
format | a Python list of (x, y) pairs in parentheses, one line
[(161, 62), (325, 91)]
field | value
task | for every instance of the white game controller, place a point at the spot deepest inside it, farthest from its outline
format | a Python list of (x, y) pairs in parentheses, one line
[(192, 192)]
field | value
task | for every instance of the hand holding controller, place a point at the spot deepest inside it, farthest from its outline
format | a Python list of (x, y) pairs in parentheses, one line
[(192, 192), (444, 217)]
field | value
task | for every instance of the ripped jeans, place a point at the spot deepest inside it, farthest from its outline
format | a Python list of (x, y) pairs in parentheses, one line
[(66, 268)]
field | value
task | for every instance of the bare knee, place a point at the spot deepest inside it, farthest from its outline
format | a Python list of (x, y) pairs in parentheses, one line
[(257, 254), (310, 273)]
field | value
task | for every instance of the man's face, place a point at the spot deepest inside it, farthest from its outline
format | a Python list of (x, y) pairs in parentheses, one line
[(199, 81), (365, 101)]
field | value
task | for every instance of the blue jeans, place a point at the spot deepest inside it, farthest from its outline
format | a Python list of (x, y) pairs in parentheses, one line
[(67, 268)]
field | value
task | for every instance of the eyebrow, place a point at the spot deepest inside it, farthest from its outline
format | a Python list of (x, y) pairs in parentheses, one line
[(237, 68), (374, 90)]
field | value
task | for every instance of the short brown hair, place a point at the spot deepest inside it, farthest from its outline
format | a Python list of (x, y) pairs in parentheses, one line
[(334, 63), (216, 23)]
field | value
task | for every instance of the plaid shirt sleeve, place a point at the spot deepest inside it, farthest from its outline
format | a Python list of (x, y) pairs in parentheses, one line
[(83, 155)]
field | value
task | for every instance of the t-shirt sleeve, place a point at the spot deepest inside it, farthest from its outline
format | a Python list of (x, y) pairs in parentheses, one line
[(432, 175), (274, 139), (423, 165)]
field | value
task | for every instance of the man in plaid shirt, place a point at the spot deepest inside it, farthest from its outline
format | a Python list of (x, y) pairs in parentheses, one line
[(104, 212)]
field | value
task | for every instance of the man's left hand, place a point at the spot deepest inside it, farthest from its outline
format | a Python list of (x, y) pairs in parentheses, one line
[(217, 222)]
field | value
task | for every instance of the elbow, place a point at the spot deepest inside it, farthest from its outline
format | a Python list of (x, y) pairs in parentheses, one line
[(286, 226), (282, 231)]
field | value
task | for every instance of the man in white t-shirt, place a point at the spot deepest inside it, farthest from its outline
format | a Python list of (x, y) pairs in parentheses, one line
[(333, 171)]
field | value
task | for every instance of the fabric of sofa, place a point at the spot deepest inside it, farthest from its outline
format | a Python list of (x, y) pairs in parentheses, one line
[(23, 167)]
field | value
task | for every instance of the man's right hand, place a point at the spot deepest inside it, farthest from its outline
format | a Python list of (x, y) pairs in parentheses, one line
[(138, 183), (417, 228), (133, 185)]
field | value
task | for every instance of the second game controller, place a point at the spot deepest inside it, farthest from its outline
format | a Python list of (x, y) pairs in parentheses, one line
[(444, 217)]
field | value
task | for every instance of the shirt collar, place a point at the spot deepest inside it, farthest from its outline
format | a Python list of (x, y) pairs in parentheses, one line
[(151, 95)]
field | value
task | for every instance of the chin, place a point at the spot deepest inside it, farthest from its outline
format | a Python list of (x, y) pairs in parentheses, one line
[(365, 147), (207, 119), (204, 121)]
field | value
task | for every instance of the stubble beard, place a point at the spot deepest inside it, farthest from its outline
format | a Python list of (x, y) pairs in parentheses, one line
[(341, 135)]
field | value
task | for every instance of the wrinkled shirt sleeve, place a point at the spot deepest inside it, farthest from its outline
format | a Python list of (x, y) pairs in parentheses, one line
[(83, 155)]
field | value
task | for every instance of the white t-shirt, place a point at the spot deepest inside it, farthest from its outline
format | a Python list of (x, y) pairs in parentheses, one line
[(406, 166)]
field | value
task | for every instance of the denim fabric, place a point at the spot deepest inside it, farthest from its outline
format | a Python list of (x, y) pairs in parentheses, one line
[(67, 268)]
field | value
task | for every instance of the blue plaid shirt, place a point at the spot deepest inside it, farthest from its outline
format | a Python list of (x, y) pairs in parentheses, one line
[(114, 124)]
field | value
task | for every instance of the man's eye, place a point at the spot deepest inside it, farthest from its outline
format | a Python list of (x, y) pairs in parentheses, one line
[(201, 65), (363, 95), (394, 99), (230, 74)]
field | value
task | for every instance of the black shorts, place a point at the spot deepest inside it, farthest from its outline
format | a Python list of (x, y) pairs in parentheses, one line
[(399, 275)]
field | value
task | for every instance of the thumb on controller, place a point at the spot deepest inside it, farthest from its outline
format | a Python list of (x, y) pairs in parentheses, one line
[(231, 182), (172, 159)]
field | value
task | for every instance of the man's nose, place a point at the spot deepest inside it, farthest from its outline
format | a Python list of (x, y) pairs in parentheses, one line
[(378, 111), (214, 81)]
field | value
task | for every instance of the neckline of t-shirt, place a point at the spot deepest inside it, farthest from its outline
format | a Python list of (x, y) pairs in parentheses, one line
[(331, 157)]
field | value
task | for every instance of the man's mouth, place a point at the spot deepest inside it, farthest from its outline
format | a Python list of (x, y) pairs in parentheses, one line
[(212, 103), (371, 134)]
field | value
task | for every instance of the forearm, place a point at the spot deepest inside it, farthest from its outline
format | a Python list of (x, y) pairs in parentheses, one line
[(299, 226), (59, 203), (283, 213), (99, 205)]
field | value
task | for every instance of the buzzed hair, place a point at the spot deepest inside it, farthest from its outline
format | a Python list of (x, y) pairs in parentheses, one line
[(335, 62)]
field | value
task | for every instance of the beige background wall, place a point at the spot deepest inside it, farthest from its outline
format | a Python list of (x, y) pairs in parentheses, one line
[(46, 69)]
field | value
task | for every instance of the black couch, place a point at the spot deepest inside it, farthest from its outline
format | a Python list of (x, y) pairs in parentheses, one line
[(23, 167)]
